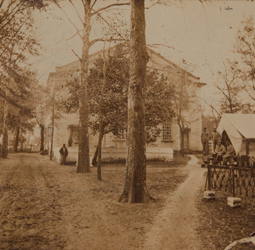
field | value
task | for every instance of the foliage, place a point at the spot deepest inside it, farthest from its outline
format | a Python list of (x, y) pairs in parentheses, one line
[(245, 48), (16, 43), (158, 96), (16, 39), (21, 94), (114, 102), (229, 90), (158, 103)]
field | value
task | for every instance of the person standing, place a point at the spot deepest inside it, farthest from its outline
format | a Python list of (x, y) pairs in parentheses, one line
[(216, 137), (205, 140), (63, 153)]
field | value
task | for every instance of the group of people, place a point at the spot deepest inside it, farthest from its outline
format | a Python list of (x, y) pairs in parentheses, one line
[(221, 153)]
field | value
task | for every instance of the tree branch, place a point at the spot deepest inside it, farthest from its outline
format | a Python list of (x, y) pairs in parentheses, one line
[(110, 25), (9, 100), (248, 92), (67, 39), (93, 4), (1, 3), (222, 91), (76, 10), (164, 45), (107, 40), (109, 6), (212, 107), (76, 55), (78, 32), (11, 15)]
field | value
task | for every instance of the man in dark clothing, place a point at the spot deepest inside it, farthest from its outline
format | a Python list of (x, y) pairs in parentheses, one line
[(64, 153), (204, 140), (216, 137)]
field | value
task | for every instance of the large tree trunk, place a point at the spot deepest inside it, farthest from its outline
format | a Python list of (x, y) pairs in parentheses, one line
[(5, 132), (135, 190), (83, 157), (42, 138), (16, 140)]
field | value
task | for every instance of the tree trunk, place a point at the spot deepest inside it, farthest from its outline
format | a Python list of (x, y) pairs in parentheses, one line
[(42, 138), (99, 154), (16, 140), (182, 142), (5, 132), (135, 190), (52, 126), (100, 120), (83, 157), (94, 161)]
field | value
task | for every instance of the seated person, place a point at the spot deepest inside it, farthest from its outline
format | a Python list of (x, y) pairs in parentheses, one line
[(230, 153), (219, 151), (252, 161)]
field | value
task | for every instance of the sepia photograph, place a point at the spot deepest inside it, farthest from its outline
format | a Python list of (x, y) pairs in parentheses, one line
[(127, 125)]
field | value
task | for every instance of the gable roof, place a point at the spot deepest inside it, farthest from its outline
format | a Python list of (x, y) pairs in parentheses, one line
[(170, 64), (157, 61)]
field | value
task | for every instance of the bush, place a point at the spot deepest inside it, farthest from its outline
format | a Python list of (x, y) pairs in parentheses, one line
[(44, 152)]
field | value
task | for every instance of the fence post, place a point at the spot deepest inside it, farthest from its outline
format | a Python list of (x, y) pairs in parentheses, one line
[(233, 180), (209, 174)]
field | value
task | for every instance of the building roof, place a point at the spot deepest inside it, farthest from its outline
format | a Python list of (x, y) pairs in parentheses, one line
[(157, 60)]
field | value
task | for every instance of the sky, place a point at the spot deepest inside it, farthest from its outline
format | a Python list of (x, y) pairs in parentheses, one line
[(201, 34)]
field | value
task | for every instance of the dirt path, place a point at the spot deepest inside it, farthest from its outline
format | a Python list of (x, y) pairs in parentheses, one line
[(175, 227)]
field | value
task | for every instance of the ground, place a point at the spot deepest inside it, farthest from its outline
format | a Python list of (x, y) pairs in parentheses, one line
[(48, 206)]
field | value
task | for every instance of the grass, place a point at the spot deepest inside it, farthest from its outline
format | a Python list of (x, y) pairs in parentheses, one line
[(220, 224)]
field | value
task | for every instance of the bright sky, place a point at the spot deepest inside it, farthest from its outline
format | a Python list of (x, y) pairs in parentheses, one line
[(202, 34)]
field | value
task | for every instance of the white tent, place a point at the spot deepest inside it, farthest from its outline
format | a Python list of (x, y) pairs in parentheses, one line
[(240, 128)]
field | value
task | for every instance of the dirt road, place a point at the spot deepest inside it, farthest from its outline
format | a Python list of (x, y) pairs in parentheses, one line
[(30, 211), (47, 206)]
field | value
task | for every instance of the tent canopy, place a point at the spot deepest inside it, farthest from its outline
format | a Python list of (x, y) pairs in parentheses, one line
[(238, 128)]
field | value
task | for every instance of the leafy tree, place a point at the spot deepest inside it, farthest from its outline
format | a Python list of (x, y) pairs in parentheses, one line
[(91, 9), (109, 99), (185, 96), (229, 88), (16, 43), (19, 104), (245, 65), (108, 90)]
